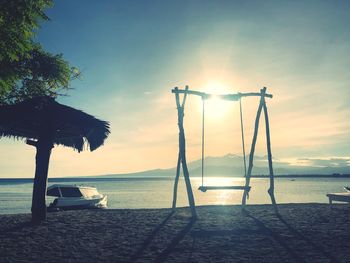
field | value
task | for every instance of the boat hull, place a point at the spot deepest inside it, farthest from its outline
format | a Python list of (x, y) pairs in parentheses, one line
[(69, 203)]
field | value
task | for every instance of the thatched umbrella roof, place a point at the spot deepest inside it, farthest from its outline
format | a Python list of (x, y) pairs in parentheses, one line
[(72, 128)]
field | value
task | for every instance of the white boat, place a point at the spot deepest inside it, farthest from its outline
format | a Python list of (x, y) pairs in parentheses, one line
[(75, 197)]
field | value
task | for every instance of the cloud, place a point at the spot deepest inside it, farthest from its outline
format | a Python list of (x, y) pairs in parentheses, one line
[(324, 162)]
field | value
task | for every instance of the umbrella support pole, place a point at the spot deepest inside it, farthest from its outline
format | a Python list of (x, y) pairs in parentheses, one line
[(43, 152)]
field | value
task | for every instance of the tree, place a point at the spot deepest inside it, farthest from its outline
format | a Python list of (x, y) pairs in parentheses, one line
[(26, 70), (30, 79)]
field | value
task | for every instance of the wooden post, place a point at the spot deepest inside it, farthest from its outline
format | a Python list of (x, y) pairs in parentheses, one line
[(176, 182), (252, 148), (178, 166), (182, 151), (269, 155)]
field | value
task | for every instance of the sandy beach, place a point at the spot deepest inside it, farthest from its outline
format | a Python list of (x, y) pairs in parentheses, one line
[(302, 233)]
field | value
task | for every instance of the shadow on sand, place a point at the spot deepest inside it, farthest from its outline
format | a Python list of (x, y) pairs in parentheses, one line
[(281, 235), (162, 256), (175, 241), (284, 243)]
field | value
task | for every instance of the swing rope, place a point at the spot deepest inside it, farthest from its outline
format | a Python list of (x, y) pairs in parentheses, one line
[(203, 108), (205, 188)]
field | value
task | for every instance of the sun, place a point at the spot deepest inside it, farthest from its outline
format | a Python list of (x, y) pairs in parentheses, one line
[(216, 108)]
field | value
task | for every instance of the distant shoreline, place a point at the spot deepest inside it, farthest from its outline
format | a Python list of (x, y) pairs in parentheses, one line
[(167, 177)]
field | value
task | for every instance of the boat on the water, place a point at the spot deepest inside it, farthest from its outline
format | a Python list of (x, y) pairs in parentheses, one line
[(71, 197), (347, 188)]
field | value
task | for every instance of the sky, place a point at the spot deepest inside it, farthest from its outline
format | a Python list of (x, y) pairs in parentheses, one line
[(132, 53)]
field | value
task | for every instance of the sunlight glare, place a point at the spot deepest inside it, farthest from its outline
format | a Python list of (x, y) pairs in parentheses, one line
[(216, 108)]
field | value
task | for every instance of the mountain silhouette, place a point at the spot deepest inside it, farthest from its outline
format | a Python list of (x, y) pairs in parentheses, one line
[(232, 165)]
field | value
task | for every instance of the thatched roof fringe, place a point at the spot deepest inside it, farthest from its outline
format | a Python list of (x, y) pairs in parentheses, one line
[(72, 128)]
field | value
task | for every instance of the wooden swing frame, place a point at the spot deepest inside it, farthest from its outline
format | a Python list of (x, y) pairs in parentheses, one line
[(181, 162)]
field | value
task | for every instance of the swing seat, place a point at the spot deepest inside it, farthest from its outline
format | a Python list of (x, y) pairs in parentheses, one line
[(237, 187)]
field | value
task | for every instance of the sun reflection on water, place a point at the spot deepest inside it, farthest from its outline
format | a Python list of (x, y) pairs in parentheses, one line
[(219, 197)]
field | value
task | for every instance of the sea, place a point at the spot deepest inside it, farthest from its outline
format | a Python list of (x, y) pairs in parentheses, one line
[(137, 193)]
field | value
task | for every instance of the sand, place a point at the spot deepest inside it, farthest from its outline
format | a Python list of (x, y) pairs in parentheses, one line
[(303, 233)]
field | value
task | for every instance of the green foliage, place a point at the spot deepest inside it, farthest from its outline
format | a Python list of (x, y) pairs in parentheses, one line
[(26, 70)]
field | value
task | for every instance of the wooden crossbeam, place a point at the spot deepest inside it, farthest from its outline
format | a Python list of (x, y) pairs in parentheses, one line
[(232, 97)]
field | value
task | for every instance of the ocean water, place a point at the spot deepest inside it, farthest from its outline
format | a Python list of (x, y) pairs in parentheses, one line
[(15, 195)]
